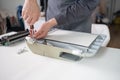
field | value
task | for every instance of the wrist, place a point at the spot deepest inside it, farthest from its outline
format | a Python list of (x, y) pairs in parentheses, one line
[(30, 0), (52, 22)]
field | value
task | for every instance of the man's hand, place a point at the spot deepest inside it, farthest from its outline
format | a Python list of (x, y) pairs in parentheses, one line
[(30, 11), (43, 30)]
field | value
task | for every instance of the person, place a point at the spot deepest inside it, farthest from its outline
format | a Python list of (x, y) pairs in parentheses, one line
[(72, 15)]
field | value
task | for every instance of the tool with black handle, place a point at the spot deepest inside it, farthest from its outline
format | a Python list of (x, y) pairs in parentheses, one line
[(10, 39)]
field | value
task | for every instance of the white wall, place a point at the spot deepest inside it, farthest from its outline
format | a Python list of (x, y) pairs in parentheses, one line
[(10, 5)]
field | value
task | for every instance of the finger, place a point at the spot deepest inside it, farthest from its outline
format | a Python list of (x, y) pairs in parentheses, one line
[(25, 14), (33, 21), (30, 31), (42, 35), (29, 19), (37, 34), (25, 17), (22, 13)]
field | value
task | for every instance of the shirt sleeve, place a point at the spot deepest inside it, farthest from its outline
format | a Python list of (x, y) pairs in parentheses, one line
[(78, 11)]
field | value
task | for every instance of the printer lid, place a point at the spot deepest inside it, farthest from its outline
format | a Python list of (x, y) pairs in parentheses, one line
[(72, 37)]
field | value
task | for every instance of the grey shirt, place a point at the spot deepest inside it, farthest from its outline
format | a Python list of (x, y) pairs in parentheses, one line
[(72, 14)]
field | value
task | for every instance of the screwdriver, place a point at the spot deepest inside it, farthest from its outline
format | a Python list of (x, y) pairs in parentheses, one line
[(31, 30)]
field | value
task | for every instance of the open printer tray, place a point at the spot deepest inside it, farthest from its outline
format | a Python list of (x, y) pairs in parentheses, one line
[(67, 45)]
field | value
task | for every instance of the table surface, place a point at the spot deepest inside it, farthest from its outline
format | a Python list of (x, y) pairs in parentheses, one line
[(29, 66)]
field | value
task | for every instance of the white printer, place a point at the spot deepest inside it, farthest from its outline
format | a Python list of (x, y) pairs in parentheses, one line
[(66, 45)]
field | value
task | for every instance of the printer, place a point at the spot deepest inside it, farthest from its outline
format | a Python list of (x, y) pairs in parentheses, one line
[(66, 45)]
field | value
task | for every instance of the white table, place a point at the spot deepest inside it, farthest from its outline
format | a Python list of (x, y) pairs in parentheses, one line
[(28, 66)]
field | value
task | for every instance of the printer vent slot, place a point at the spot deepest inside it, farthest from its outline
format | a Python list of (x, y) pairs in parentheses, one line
[(69, 56)]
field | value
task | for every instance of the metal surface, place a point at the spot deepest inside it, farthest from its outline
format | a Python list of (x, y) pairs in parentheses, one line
[(10, 39)]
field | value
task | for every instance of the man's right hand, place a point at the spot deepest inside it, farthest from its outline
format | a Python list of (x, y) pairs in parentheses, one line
[(31, 11)]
